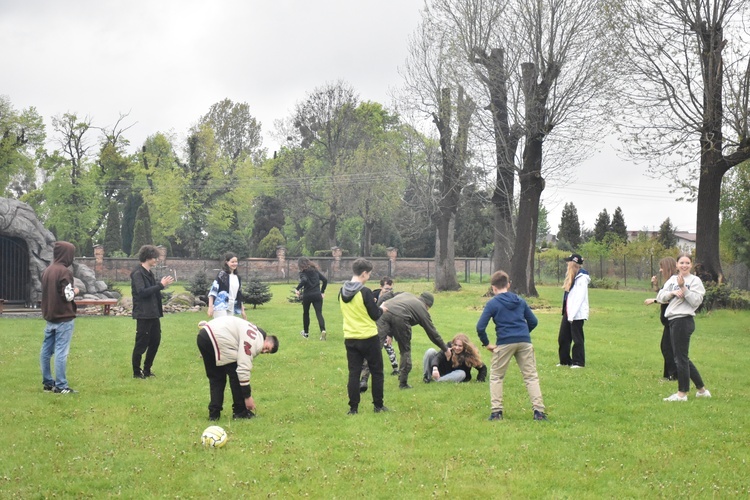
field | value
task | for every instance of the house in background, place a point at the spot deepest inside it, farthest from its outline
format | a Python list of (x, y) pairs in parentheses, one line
[(685, 240)]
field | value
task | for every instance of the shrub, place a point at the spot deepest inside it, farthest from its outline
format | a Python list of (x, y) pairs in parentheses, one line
[(605, 283), (722, 296), (257, 293), (199, 285)]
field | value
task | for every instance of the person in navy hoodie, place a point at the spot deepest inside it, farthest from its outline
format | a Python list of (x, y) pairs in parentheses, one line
[(575, 310), (514, 322)]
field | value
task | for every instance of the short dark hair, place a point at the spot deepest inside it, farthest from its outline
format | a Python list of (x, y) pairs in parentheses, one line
[(275, 340), (386, 280), (361, 265), (148, 252), (500, 280)]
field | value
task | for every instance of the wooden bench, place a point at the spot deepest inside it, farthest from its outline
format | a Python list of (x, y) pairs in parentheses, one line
[(105, 303)]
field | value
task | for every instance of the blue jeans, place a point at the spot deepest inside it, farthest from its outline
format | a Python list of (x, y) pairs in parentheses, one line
[(57, 337), (453, 376)]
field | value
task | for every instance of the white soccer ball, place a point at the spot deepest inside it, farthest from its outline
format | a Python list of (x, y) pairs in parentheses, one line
[(214, 437)]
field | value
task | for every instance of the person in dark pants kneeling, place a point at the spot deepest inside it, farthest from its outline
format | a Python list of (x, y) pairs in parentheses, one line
[(228, 345)]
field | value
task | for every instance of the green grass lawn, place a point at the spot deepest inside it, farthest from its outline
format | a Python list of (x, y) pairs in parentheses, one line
[(610, 435)]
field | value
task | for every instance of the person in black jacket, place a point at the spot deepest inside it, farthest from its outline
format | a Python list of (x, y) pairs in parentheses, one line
[(313, 285), (147, 309), (225, 297), (457, 369)]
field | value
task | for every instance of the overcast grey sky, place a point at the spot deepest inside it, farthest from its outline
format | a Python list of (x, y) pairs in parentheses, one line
[(165, 62)]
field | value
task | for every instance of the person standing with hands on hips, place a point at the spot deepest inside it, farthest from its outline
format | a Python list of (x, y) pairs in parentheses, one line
[(313, 285), (575, 310), (514, 322), (683, 293), (147, 309)]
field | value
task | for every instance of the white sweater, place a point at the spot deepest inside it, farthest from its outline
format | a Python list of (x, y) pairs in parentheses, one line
[(681, 306)]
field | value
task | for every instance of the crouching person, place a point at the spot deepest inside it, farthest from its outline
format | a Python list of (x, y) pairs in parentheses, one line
[(458, 367), (228, 345)]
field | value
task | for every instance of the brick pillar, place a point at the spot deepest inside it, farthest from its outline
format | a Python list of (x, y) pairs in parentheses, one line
[(392, 254), (99, 260), (336, 252), (281, 260), (162, 255)]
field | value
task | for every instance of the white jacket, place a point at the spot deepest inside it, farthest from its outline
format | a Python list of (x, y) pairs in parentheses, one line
[(685, 306), (235, 339), (577, 305)]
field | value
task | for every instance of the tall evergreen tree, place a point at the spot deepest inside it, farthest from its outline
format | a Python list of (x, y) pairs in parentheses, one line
[(602, 226), (569, 229), (618, 226), (666, 236), (128, 221), (142, 232), (112, 233)]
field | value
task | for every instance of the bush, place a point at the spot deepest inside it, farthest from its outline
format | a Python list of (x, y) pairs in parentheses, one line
[(378, 250), (605, 283), (292, 297), (199, 285), (722, 296), (257, 293)]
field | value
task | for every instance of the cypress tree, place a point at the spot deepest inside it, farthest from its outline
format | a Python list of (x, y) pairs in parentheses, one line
[(142, 230), (112, 233)]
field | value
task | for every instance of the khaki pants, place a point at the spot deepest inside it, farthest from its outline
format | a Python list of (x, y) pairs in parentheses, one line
[(524, 354)]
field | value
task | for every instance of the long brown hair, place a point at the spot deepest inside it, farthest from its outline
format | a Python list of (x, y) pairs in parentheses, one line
[(304, 264), (668, 266), (570, 276), (469, 356)]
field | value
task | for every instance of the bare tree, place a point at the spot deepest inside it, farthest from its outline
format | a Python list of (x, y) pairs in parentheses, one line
[(476, 27), (687, 64), (562, 73), (430, 84)]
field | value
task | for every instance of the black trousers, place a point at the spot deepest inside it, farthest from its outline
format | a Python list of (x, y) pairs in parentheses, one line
[(680, 330), (358, 351), (217, 379), (571, 331), (147, 340), (317, 303)]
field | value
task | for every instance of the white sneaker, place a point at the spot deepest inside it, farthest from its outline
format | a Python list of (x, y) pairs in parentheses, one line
[(576, 366), (676, 397), (704, 394)]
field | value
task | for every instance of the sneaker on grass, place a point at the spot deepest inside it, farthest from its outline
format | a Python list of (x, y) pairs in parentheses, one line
[(540, 415), (704, 394), (67, 390), (496, 415), (676, 397)]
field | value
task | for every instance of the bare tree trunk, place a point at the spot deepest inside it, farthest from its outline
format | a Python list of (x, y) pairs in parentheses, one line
[(536, 93), (506, 142), (445, 255), (453, 154)]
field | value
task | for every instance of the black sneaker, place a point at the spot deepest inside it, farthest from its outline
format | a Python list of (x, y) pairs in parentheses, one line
[(148, 374), (352, 411), (138, 374), (496, 415), (49, 388), (426, 379), (404, 386), (67, 390), (214, 418), (380, 409), (540, 415), (395, 371), (244, 415)]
